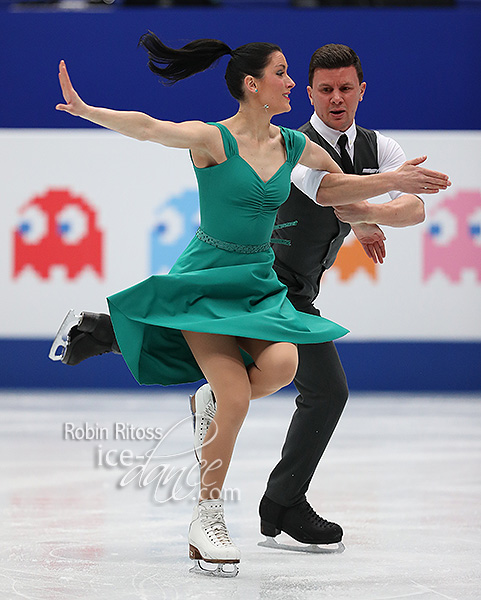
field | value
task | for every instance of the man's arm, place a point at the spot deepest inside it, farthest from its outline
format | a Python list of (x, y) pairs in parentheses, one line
[(318, 176), (336, 189), (403, 211)]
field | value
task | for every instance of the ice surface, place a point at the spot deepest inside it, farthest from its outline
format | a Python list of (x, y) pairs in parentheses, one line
[(402, 476)]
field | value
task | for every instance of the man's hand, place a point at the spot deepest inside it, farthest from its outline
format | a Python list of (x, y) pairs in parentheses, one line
[(372, 239), (419, 180)]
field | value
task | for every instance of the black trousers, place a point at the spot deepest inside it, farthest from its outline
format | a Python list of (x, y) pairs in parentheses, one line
[(323, 392)]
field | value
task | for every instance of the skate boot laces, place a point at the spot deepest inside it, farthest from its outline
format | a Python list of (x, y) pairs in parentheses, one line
[(213, 524), (310, 515), (203, 407), (205, 418)]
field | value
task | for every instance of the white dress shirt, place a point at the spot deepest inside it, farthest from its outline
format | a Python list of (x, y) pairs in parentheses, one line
[(390, 156)]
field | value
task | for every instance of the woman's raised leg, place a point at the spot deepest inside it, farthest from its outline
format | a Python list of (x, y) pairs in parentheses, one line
[(274, 367)]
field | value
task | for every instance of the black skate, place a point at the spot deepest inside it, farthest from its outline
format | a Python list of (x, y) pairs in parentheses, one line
[(303, 524), (82, 336)]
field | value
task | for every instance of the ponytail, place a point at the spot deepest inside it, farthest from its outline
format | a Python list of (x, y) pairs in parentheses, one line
[(192, 58), (199, 55)]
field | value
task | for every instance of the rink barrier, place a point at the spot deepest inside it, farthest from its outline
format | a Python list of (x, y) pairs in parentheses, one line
[(441, 367)]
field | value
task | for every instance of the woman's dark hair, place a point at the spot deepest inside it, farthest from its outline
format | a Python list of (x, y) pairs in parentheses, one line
[(173, 65), (335, 56)]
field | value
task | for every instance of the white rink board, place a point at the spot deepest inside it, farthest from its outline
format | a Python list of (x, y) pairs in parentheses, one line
[(126, 182), (402, 304), (143, 197)]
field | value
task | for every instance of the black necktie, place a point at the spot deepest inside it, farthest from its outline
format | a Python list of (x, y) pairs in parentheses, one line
[(346, 162)]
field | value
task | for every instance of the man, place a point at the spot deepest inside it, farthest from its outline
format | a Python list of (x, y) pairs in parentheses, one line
[(336, 87)]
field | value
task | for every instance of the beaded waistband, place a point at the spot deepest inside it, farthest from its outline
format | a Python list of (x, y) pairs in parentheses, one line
[(231, 246)]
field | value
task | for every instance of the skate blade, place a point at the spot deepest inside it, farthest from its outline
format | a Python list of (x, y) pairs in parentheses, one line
[(270, 542), (61, 339), (215, 569)]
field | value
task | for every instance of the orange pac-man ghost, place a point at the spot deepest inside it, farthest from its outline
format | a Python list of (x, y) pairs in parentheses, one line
[(351, 259)]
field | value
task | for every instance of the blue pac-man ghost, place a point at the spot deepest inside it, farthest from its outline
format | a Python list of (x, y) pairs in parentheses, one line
[(175, 224)]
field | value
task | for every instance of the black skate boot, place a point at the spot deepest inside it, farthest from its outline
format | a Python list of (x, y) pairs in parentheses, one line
[(300, 521), (83, 336)]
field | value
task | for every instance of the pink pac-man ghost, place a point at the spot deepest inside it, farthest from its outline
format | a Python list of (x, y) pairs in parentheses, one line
[(57, 228), (452, 239)]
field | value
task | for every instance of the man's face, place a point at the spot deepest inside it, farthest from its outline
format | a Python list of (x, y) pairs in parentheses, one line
[(335, 94)]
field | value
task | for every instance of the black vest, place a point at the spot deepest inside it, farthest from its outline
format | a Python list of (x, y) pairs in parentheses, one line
[(318, 235)]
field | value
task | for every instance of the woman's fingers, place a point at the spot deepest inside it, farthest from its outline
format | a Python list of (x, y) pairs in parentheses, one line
[(73, 102)]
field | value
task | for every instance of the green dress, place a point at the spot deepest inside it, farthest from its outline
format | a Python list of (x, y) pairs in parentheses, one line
[(223, 282)]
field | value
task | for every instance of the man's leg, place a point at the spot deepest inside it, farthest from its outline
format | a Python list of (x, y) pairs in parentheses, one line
[(323, 393)]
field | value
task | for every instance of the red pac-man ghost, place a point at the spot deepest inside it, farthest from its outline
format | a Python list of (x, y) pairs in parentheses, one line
[(351, 259), (57, 228), (452, 238)]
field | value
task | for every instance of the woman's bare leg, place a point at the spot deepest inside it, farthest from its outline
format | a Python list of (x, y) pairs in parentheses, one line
[(234, 386), (220, 360), (274, 367)]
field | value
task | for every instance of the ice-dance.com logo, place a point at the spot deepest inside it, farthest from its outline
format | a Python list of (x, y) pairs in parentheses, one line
[(171, 472)]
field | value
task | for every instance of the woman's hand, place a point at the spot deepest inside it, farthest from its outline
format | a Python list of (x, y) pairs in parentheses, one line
[(75, 105), (197, 136)]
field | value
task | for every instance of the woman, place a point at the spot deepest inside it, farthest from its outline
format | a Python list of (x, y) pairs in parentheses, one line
[(220, 313)]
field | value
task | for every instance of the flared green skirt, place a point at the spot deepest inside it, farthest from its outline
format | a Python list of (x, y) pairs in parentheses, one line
[(208, 290)]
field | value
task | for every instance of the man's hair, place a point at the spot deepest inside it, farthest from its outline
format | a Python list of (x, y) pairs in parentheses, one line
[(335, 56)]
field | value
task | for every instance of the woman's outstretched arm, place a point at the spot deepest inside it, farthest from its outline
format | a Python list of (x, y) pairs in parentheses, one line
[(189, 134)]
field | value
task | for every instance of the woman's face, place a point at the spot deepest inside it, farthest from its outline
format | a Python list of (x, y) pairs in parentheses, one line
[(275, 85)]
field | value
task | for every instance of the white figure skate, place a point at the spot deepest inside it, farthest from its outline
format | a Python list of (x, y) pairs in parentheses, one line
[(209, 541), (203, 407)]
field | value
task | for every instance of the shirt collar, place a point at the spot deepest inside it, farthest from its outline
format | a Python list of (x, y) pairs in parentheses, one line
[(332, 135)]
